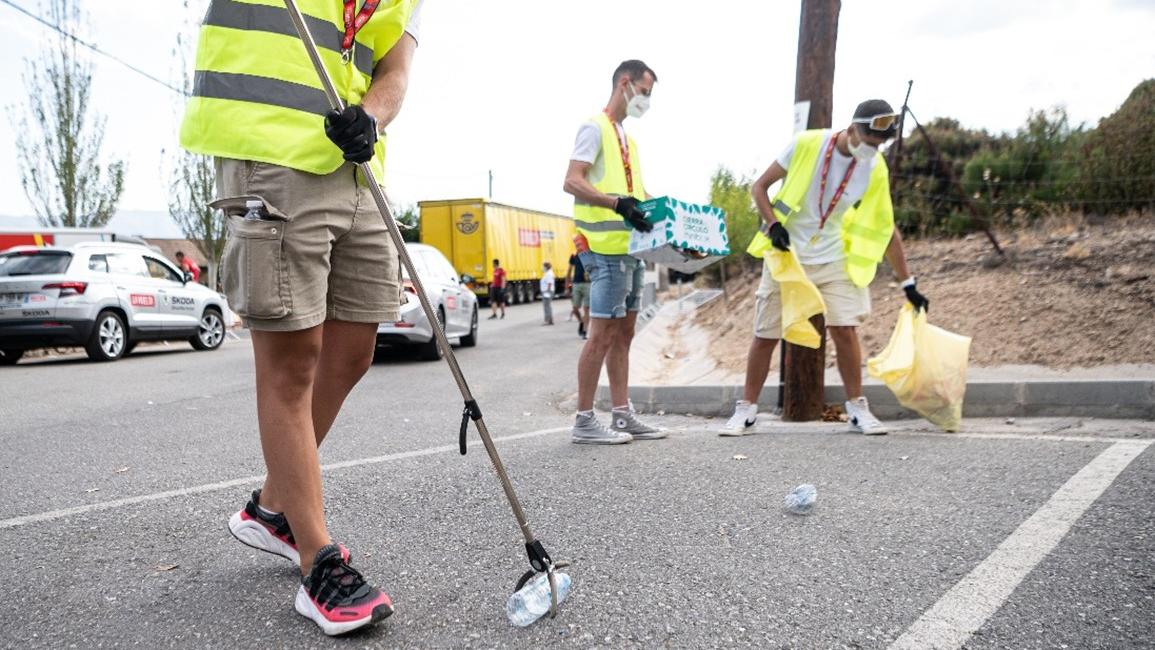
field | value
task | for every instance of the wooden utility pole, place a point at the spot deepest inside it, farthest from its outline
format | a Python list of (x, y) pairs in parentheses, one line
[(804, 384)]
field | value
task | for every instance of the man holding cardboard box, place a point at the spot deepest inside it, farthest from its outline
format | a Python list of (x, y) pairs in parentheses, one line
[(605, 179), (834, 211)]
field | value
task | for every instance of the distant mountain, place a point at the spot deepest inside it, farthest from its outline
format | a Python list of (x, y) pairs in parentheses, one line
[(145, 223)]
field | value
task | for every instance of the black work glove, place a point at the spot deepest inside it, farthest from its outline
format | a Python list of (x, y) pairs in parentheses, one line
[(627, 207), (779, 238), (354, 131), (917, 299)]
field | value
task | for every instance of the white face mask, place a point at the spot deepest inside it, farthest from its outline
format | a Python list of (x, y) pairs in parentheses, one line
[(638, 104), (862, 152)]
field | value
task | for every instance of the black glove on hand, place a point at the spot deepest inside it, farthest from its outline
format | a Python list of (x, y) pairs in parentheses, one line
[(917, 299), (627, 207), (779, 238), (354, 131)]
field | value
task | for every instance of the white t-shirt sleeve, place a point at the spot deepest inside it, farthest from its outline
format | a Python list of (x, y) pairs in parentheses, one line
[(413, 27), (784, 157), (588, 144)]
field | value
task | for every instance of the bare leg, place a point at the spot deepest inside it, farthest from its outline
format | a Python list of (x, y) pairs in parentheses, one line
[(346, 355), (758, 367), (618, 359), (849, 359), (286, 366), (601, 336)]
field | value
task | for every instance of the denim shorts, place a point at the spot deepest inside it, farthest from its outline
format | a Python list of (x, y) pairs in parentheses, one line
[(615, 284)]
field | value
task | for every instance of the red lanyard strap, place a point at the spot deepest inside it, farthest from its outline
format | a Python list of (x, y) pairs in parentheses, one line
[(354, 23), (624, 147), (841, 187)]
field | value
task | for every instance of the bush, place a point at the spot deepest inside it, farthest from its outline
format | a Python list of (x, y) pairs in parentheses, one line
[(1117, 173)]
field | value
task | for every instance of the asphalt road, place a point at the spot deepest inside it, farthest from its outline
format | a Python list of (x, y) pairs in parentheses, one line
[(117, 481)]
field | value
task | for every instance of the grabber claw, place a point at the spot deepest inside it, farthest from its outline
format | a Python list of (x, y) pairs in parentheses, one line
[(549, 571)]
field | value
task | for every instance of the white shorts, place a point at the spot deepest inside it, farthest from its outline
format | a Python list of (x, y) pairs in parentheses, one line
[(846, 304)]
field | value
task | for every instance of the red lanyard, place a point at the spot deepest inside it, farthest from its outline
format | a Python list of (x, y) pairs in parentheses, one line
[(354, 24), (822, 186), (624, 147)]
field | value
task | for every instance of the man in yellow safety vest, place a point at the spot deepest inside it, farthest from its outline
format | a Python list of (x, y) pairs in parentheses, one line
[(834, 211), (308, 266), (605, 179)]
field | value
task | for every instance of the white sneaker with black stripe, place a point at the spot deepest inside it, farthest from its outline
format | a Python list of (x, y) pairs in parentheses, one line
[(862, 420), (742, 422)]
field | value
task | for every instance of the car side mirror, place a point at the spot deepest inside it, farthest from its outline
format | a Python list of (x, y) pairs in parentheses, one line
[(467, 279), (188, 277)]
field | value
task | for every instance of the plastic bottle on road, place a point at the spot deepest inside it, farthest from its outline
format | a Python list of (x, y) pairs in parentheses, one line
[(532, 601), (801, 499), (253, 208)]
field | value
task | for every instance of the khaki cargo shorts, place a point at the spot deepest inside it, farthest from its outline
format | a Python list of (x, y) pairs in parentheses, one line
[(321, 253), (846, 304)]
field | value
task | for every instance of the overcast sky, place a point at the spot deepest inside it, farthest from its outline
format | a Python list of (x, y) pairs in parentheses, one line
[(504, 84)]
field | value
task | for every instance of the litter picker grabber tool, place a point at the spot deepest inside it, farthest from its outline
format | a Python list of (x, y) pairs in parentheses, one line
[(539, 559)]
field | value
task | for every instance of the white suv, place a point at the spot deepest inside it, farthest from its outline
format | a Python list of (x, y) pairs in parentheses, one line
[(106, 297)]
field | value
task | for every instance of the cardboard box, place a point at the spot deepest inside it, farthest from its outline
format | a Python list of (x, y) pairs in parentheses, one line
[(686, 237)]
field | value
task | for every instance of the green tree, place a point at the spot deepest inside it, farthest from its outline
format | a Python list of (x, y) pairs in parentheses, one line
[(59, 137), (409, 221), (732, 194)]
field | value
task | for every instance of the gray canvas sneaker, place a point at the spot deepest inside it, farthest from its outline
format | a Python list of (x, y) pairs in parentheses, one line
[(627, 422), (588, 431)]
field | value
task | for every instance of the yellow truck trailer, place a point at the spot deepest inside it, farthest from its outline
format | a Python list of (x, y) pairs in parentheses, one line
[(474, 232)]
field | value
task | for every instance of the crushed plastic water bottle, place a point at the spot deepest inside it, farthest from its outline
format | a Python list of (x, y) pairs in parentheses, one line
[(801, 499), (532, 601)]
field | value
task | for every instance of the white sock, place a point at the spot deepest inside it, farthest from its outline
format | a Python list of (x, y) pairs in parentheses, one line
[(624, 409), (265, 511), (587, 414)]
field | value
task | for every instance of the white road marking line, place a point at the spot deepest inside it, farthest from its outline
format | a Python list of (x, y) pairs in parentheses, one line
[(962, 610), (248, 480), (1043, 437)]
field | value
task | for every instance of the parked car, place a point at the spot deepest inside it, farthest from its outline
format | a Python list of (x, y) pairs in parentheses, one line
[(104, 296), (455, 304)]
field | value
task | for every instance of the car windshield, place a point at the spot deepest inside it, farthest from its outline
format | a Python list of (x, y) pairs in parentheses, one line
[(34, 263)]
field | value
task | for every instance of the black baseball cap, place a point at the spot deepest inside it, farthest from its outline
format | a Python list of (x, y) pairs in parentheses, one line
[(877, 117)]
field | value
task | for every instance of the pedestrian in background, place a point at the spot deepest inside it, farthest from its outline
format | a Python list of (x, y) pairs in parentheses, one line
[(577, 282), (497, 290), (188, 266), (548, 286)]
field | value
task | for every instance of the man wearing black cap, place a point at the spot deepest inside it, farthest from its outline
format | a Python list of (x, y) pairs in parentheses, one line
[(834, 211)]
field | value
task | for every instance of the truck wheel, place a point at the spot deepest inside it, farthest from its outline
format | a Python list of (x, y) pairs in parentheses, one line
[(9, 357), (470, 340), (108, 339), (429, 351)]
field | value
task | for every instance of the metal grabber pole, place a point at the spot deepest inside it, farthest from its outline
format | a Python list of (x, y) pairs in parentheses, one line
[(539, 559)]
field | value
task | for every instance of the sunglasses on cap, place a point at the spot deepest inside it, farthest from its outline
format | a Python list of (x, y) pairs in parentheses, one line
[(878, 122)]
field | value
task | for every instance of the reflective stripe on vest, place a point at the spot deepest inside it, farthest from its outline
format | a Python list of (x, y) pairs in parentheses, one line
[(867, 226), (256, 95), (605, 230)]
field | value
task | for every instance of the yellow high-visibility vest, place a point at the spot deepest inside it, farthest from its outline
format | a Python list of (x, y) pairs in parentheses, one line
[(867, 226), (256, 95), (605, 230)]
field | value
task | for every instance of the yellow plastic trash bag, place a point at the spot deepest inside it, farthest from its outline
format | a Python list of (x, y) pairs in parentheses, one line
[(926, 368), (800, 298)]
